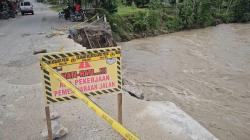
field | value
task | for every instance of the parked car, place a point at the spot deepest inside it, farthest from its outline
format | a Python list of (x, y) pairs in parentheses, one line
[(26, 7)]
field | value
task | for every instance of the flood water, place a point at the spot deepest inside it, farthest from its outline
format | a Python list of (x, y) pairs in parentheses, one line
[(206, 72)]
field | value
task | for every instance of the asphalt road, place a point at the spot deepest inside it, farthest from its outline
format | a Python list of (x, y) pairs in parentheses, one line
[(21, 94)]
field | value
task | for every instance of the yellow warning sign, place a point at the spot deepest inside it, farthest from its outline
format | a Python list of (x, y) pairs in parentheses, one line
[(93, 72), (128, 135)]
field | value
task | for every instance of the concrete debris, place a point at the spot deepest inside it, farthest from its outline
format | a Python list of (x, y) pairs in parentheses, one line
[(126, 81), (72, 33), (58, 130), (55, 33), (54, 115), (41, 33), (25, 34), (93, 36), (133, 91), (39, 51)]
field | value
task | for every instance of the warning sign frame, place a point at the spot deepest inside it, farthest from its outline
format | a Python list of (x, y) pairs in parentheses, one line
[(59, 60), (116, 125)]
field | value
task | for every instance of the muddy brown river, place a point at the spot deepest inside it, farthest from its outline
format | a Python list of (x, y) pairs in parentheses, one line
[(206, 72)]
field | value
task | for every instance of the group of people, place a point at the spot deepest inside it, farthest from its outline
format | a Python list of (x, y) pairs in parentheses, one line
[(74, 12), (8, 9)]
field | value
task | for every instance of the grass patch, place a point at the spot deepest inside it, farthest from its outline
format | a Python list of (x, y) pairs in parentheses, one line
[(129, 10)]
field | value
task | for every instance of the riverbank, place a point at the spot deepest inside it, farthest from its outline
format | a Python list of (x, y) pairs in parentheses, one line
[(144, 19), (130, 22)]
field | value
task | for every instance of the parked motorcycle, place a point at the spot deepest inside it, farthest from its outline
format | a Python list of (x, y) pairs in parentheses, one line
[(12, 13), (70, 14), (11, 9), (7, 10), (4, 11), (76, 16), (67, 11), (4, 15)]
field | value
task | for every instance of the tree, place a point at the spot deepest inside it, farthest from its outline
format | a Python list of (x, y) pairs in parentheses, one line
[(241, 10), (195, 12), (129, 2), (141, 3), (109, 5)]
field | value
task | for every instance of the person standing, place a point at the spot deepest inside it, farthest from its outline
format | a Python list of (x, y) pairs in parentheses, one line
[(77, 7)]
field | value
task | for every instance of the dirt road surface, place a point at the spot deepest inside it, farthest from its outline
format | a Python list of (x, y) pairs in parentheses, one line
[(167, 68)]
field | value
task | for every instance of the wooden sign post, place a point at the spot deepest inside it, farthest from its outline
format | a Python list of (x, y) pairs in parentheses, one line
[(119, 105), (47, 111)]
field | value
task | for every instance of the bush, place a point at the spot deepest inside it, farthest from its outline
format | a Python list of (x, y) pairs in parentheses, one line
[(141, 3), (53, 2), (196, 13), (110, 5), (154, 19), (224, 17), (129, 10), (120, 28), (241, 10), (172, 24), (131, 21), (185, 14), (143, 22), (140, 22), (155, 4)]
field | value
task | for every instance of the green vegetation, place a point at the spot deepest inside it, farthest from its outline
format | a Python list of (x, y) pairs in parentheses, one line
[(57, 8), (109, 5), (52, 2), (129, 10), (138, 18)]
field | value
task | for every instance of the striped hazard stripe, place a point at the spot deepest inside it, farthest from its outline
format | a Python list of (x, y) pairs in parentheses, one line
[(60, 59)]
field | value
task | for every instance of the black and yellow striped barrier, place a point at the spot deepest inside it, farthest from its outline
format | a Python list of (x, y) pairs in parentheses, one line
[(115, 124)]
